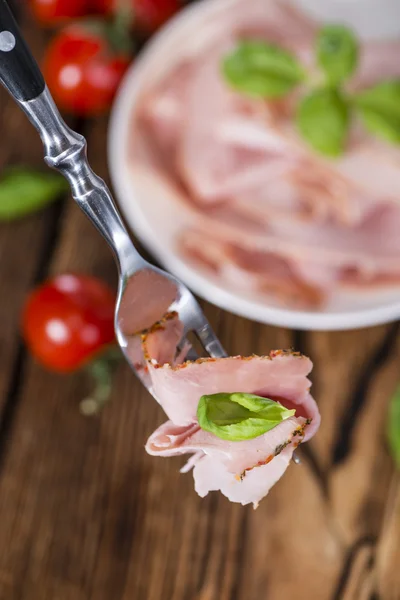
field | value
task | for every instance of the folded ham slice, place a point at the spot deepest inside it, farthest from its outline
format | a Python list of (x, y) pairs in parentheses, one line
[(243, 471)]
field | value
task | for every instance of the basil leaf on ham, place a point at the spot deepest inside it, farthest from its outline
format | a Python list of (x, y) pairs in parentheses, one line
[(379, 109), (262, 70), (393, 427), (337, 53), (323, 121), (238, 416)]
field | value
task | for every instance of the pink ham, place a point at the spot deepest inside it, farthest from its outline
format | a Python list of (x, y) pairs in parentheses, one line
[(268, 215), (211, 168), (378, 61), (299, 260), (162, 111), (162, 342), (279, 375), (211, 475), (242, 471), (229, 145), (262, 272), (238, 457)]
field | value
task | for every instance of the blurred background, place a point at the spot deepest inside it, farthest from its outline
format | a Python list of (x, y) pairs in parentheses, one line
[(85, 512)]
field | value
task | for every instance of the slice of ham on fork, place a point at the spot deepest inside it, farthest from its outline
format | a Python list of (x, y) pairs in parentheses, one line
[(243, 471)]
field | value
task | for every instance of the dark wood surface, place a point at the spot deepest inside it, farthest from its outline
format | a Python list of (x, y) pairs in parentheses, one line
[(86, 514)]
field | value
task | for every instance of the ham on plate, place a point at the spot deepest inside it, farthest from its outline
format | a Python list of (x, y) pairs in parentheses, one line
[(267, 212), (244, 471), (301, 261)]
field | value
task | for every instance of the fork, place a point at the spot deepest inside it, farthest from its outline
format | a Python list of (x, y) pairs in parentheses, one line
[(145, 292)]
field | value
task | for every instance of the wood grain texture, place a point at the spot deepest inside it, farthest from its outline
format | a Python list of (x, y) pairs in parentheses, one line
[(86, 514), (24, 245), (388, 550)]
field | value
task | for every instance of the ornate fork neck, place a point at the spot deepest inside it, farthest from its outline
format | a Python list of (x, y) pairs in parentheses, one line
[(65, 151)]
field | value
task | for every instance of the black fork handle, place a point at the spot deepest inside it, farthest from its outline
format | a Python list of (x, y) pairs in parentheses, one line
[(19, 72)]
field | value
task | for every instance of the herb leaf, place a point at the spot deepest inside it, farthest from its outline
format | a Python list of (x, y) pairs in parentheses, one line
[(323, 120), (239, 416), (337, 52), (379, 108), (393, 427), (24, 191), (262, 70)]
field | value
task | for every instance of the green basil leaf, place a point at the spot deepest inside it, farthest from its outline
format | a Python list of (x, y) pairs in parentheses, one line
[(24, 191), (323, 120), (393, 427), (239, 416), (379, 109), (337, 52), (262, 70)]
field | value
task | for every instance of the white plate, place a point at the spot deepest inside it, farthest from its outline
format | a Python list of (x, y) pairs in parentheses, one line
[(157, 228)]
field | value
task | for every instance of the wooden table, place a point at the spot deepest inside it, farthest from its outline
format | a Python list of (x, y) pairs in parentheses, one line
[(86, 514)]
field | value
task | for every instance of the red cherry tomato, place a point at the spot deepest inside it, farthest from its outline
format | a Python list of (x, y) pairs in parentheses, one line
[(147, 14), (50, 12), (151, 14), (82, 71), (67, 320)]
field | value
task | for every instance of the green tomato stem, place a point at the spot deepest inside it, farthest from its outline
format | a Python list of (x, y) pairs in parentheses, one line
[(121, 25), (101, 370)]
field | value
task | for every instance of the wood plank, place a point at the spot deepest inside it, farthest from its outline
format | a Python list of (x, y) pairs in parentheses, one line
[(24, 245), (388, 550), (340, 359), (355, 373), (359, 486), (359, 582), (95, 513), (96, 517), (55, 455), (87, 514), (354, 393)]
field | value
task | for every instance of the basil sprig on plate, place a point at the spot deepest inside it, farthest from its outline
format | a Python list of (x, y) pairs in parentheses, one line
[(260, 69), (379, 109), (337, 53), (325, 108), (323, 120), (237, 417)]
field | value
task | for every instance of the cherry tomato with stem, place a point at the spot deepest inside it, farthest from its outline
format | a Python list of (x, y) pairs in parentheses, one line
[(147, 15), (67, 320), (84, 65), (53, 12)]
